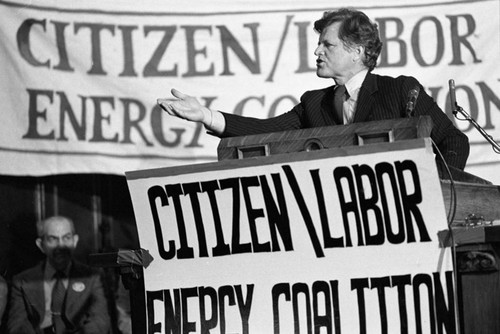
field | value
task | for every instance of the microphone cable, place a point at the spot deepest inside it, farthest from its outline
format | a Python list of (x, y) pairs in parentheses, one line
[(450, 217)]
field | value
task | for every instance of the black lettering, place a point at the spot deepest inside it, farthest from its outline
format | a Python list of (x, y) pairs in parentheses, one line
[(380, 283), (297, 290), (425, 281), (359, 284), (322, 320), (348, 206), (24, 45), (99, 118), (225, 292), (303, 47), (488, 98), (334, 285), (278, 290), (61, 47), (410, 201), (206, 324), (304, 210), (151, 69), (128, 51), (328, 240), (400, 282), (173, 312), (415, 41), (192, 190), (151, 296), (384, 54), (66, 110), (445, 314), (229, 42), (386, 169), (244, 305), (185, 251), (279, 220), (34, 114), (154, 193), (95, 40), (129, 123), (236, 246), (192, 52), (222, 248), (187, 326), (457, 40), (253, 214), (157, 127), (369, 203)]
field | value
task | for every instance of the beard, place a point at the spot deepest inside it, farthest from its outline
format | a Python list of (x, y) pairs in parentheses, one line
[(60, 257)]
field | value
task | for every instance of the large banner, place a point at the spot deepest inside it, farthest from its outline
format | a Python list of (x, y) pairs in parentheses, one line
[(321, 242), (80, 79)]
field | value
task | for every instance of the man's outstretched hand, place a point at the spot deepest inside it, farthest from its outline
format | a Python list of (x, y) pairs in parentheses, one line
[(185, 107)]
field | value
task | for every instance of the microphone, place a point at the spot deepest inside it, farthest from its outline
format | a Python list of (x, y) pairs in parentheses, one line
[(412, 101), (453, 97)]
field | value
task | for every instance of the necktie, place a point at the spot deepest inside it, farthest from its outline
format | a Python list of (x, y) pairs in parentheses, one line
[(338, 103), (58, 294)]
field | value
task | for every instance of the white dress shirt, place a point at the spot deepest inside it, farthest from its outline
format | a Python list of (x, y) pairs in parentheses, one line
[(352, 87)]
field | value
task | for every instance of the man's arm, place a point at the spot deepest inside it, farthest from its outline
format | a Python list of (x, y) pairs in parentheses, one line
[(454, 146), (188, 108), (452, 143)]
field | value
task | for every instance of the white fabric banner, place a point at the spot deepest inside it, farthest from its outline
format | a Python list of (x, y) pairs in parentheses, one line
[(273, 245), (80, 79)]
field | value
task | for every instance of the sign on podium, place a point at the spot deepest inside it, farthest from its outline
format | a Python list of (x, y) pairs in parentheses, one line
[(328, 241)]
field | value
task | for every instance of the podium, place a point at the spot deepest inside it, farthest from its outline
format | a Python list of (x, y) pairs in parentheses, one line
[(473, 202), (341, 136), (312, 163)]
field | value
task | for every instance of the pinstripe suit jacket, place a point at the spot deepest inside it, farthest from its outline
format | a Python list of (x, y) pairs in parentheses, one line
[(380, 97)]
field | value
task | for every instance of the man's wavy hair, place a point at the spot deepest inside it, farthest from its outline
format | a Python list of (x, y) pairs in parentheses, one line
[(355, 29)]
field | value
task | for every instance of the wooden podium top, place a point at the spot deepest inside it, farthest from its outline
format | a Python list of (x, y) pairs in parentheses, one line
[(356, 134)]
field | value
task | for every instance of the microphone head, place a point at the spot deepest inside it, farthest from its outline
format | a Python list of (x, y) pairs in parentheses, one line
[(414, 92), (412, 101), (453, 98)]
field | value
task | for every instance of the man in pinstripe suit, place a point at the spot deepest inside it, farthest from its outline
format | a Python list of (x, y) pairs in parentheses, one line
[(347, 52)]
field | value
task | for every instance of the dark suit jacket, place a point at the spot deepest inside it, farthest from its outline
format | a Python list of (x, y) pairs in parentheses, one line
[(380, 97), (85, 308), (4, 291)]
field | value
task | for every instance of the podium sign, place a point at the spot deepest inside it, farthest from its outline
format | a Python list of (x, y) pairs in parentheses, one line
[(330, 241)]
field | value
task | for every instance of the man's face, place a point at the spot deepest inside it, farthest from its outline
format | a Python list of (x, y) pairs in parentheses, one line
[(58, 242), (334, 60)]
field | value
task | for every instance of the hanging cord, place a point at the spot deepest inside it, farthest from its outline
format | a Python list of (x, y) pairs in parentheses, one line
[(450, 217)]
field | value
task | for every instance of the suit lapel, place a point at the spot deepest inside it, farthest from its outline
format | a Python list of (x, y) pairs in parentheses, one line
[(366, 100), (34, 290), (327, 107)]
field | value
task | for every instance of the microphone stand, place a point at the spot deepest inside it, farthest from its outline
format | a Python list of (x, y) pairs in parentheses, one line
[(458, 109)]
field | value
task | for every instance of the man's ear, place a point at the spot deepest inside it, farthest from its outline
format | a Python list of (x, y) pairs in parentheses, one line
[(359, 52), (39, 244)]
